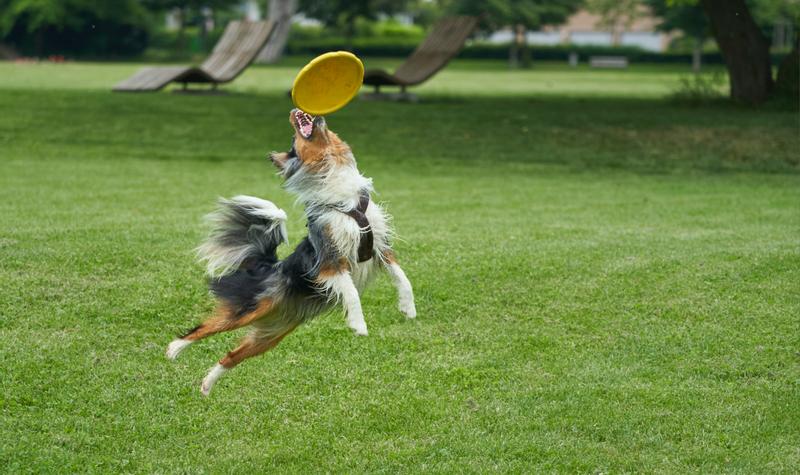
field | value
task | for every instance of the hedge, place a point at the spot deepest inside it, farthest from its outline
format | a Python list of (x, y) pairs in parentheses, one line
[(379, 47)]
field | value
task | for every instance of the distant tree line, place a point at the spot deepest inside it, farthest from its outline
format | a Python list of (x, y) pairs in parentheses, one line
[(91, 27), (101, 28), (107, 28)]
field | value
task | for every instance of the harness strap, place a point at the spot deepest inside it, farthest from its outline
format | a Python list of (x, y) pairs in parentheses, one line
[(365, 245)]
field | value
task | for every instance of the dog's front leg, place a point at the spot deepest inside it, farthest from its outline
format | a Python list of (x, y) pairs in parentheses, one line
[(342, 286), (404, 292)]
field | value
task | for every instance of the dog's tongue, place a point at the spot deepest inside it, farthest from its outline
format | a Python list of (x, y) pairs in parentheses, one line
[(305, 123)]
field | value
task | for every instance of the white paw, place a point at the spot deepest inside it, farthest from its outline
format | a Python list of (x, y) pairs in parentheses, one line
[(211, 378), (359, 327), (205, 387), (176, 346), (407, 308)]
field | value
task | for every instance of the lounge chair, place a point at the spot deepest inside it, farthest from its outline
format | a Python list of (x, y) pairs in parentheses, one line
[(441, 45), (238, 47)]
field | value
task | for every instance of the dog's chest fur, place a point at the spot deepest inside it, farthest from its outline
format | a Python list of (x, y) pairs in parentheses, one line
[(345, 236)]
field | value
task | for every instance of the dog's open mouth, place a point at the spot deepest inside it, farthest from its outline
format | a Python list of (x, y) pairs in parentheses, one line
[(305, 123)]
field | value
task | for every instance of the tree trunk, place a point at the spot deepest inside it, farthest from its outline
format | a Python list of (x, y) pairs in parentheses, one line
[(181, 40), (513, 55), (39, 42), (203, 29), (697, 54), (744, 48), (280, 12), (616, 34), (788, 81), (525, 51), (515, 52)]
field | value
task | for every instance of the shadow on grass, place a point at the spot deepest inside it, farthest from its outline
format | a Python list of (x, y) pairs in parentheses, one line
[(578, 134)]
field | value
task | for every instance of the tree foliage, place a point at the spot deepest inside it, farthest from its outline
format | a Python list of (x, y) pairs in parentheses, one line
[(684, 16), (519, 15), (343, 14), (193, 6), (67, 26), (532, 14), (766, 13), (190, 12), (615, 14), (90, 27), (62, 14)]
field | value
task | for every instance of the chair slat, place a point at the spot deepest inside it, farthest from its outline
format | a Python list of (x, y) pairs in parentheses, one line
[(242, 45), (440, 46), (236, 49), (151, 79)]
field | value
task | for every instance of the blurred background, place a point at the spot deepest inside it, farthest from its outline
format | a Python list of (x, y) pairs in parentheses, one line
[(521, 33)]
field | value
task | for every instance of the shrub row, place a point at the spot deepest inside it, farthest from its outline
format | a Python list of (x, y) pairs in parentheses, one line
[(394, 48)]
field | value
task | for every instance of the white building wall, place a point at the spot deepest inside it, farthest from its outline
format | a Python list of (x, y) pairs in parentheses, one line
[(251, 10), (544, 38), (595, 38), (646, 40)]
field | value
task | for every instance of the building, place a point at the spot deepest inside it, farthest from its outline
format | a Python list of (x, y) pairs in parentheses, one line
[(586, 28)]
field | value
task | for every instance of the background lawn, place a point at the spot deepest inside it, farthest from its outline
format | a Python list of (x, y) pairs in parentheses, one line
[(606, 281)]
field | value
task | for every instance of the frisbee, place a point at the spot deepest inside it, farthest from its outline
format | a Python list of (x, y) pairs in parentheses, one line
[(328, 83)]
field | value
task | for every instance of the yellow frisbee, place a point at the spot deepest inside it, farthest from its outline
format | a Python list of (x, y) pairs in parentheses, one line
[(328, 83)]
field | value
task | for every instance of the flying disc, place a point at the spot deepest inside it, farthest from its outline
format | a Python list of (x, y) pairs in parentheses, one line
[(328, 83)]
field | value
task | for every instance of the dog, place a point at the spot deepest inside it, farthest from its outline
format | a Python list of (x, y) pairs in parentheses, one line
[(348, 243)]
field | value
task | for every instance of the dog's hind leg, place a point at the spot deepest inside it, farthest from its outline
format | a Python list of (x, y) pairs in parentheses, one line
[(401, 283), (253, 344), (224, 319)]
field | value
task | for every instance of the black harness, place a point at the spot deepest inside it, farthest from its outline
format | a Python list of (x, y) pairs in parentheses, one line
[(365, 245)]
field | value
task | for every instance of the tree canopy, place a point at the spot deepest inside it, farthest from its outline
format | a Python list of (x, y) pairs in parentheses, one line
[(100, 27), (61, 14), (532, 14), (343, 14), (686, 17)]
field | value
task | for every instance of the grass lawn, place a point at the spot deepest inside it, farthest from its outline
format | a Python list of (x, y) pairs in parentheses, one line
[(606, 281)]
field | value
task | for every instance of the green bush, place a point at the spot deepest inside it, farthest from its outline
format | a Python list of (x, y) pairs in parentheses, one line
[(700, 89), (98, 29), (165, 44), (390, 47), (365, 29), (394, 29), (561, 53)]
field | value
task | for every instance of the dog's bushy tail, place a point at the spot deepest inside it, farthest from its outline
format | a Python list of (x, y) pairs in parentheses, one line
[(243, 228)]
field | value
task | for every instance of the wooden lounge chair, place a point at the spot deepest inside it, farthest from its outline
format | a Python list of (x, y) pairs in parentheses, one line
[(441, 45), (238, 47)]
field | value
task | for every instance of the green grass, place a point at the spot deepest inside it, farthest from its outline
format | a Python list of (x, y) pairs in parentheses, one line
[(472, 78), (606, 281)]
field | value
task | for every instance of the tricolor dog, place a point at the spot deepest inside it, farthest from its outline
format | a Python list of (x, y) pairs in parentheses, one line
[(348, 242)]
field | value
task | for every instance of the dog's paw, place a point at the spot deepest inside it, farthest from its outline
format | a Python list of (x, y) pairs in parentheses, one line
[(205, 387), (211, 378), (176, 346), (407, 308), (359, 328)]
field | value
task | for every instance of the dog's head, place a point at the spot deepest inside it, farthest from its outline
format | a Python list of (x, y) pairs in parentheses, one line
[(315, 149)]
